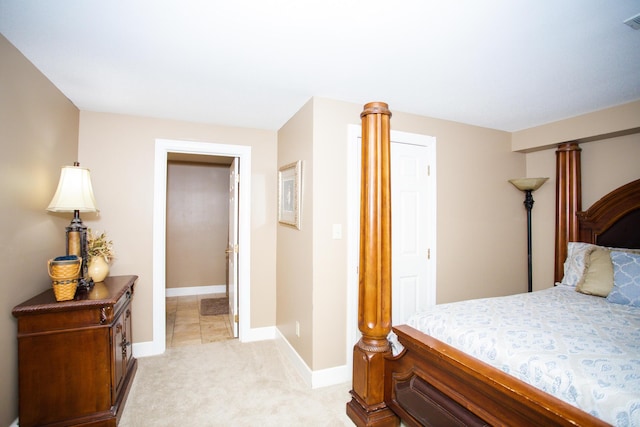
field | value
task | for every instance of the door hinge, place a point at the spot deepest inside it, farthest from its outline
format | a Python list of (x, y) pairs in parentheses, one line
[(235, 318), (429, 253), (236, 249), (428, 170), (237, 178)]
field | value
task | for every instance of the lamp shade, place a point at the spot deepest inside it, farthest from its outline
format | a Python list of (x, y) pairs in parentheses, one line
[(74, 191), (528, 184)]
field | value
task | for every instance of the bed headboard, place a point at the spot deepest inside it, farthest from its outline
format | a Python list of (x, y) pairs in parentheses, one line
[(614, 220)]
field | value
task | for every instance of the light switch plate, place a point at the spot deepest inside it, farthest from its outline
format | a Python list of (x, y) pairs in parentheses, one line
[(337, 231)]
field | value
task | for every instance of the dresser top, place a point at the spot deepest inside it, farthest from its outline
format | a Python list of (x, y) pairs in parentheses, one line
[(101, 294)]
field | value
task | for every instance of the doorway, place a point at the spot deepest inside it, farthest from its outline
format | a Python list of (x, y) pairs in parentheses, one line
[(197, 258), (413, 175), (242, 304)]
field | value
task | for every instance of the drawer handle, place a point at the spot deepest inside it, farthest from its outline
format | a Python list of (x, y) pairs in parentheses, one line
[(124, 345)]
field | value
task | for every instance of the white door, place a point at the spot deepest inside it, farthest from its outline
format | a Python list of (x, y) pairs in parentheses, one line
[(409, 224), (232, 246)]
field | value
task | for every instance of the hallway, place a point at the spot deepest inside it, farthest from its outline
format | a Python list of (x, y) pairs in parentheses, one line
[(186, 326)]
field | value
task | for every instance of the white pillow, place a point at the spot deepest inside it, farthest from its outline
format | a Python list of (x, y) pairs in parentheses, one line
[(575, 264)]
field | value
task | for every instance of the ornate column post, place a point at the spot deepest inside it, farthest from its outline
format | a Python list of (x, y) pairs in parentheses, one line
[(568, 201), (367, 407)]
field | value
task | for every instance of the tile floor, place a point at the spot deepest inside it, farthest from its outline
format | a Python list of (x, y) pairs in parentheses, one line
[(185, 325)]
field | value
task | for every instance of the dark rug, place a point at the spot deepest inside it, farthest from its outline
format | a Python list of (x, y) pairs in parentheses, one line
[(214, 306)]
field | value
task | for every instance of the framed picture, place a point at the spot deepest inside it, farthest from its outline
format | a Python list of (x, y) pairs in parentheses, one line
[(289, 194)]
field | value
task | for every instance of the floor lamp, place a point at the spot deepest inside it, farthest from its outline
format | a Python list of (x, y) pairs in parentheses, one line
[(528, 185)]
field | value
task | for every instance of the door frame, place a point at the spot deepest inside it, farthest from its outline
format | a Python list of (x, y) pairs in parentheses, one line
[(233, 243), (162, 148), (353, 218)]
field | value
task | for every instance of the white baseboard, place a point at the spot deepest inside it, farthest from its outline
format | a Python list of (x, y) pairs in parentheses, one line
[(314, 379), (144, 349), (14, 423), (259, 334), (330, 376), (195, 290)]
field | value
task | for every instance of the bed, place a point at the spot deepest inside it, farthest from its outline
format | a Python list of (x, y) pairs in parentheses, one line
[(428, 381)]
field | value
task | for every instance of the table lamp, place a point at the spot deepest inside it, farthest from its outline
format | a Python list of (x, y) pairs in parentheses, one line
[(75, 194)]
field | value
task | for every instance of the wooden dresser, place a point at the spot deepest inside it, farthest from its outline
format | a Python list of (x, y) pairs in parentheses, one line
[(74, 357)]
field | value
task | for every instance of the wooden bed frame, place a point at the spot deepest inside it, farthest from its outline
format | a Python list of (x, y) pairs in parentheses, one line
[(429, 382)]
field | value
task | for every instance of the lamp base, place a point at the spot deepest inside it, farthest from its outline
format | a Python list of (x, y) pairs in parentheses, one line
[(77, 245), (85, 283)]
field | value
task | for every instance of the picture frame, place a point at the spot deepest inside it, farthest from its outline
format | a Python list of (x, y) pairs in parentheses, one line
[(290, 194)]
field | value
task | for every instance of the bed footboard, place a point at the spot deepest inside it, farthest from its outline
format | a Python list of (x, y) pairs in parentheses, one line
[(433, 384)]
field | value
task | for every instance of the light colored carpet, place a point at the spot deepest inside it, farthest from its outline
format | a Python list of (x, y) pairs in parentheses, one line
[(227, 383)]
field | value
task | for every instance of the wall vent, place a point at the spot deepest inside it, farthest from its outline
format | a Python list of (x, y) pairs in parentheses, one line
[(634, 22)]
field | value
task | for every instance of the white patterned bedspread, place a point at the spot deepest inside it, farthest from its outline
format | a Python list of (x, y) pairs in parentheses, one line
[(579, 348)]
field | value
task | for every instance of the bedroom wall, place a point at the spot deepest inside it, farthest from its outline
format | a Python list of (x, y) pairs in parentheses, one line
[(589, 126), (295, 267), (39, 135), (119, 149), (331, 119)]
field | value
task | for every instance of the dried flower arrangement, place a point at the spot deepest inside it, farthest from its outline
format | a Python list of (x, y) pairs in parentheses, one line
[(98, 245)]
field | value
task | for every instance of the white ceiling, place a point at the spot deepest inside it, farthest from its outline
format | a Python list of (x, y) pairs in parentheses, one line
[(503, 64)]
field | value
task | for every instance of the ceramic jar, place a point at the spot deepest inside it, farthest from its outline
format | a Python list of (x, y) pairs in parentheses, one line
[(98, 269)]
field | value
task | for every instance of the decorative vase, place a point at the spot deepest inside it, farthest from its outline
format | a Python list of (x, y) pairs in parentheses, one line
[(98, 269)]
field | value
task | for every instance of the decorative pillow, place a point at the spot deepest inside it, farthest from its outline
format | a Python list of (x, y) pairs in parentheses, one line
[(627, 250), (598, 276), (626, 279), (574, 265)]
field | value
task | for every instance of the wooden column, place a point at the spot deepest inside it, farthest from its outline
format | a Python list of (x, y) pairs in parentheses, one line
[(367, 406), (568, 201)]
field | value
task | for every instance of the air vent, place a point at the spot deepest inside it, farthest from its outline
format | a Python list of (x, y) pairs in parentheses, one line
[(634, 22)]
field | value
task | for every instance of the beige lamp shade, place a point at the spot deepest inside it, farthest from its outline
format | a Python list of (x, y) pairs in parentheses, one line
[(74, 191), (528, 184)]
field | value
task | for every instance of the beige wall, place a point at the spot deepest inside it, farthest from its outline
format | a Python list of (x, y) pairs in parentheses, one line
[(295, 267), (330, 148), (197, 224), (587, 127), (119, 149), (39, 135)]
